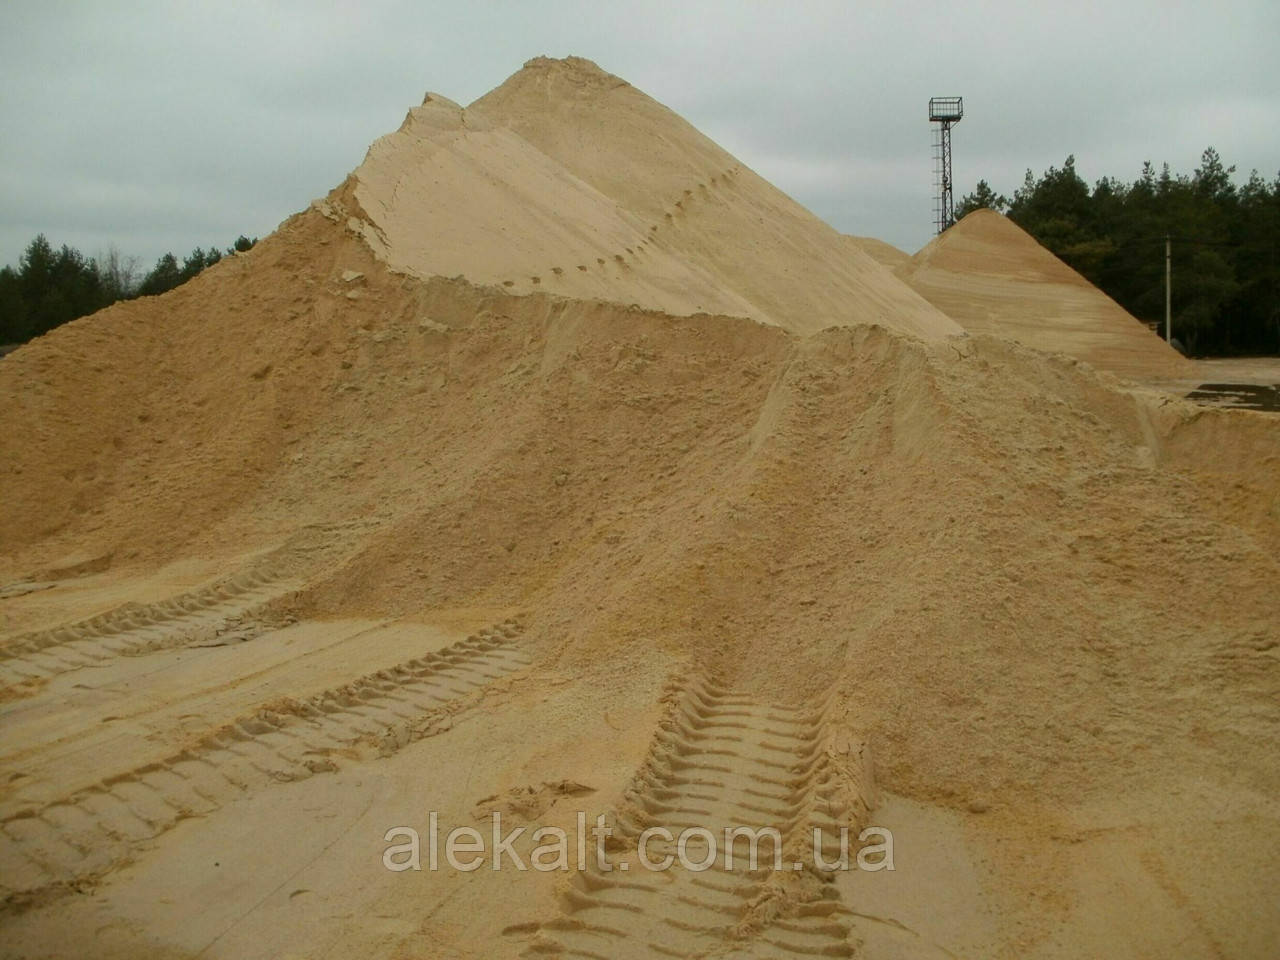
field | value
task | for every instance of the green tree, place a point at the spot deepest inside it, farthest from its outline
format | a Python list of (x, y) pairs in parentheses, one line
[(1212, 180), (57, 286), (1056, 210), (983, 197), (164, 276), (192, 265), (14, 327), (51, 287), (1226, 282), (36, 268)]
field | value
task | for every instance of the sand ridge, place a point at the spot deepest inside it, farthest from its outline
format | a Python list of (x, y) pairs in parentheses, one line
[(569, 180)]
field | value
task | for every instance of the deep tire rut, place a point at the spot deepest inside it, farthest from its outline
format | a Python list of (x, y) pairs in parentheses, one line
[(64, 843), (720, 760)]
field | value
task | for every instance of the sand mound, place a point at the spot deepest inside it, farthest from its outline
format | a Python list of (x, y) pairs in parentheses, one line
[(332, 535), (991, 276), (568, 180), (885, 254)]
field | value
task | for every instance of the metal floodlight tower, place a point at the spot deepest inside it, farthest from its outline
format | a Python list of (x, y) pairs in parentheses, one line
[(945, 112)]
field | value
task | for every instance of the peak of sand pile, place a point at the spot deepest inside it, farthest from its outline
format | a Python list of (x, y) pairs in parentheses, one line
[(992, 277), (568, 180)]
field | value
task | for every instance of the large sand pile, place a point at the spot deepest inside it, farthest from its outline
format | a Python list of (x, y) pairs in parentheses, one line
[(568, 180), (348, 530), (991, 276)]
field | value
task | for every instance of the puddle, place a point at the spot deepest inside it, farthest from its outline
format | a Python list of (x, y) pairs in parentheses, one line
[(1247, 396)]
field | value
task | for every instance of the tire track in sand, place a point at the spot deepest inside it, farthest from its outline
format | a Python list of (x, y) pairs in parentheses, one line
[(73, 841), (721, 759), (133, 629)]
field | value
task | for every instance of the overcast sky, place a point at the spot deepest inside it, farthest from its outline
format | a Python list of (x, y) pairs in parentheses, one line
[(165, 126)]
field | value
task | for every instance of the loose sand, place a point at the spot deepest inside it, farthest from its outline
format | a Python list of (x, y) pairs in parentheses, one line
[(567, 180), (366, 524), (885, 254), (991, 276)]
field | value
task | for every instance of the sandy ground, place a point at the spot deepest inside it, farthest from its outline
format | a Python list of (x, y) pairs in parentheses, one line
[(185, 841), (366, 526), (1259, 370)]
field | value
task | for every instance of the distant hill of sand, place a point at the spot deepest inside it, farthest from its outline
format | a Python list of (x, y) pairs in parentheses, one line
[(991, 276), (885, 254)]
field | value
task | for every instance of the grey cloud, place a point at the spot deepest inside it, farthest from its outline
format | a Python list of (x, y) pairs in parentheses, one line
[(168, 126)]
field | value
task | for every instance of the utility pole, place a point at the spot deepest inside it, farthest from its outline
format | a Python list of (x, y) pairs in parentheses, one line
[(1168, 290)]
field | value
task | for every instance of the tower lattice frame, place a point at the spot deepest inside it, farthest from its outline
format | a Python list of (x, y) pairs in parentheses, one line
[(944, 113)]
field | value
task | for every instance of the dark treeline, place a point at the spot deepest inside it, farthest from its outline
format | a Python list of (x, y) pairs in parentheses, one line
[(1226, 289), (50, 287)]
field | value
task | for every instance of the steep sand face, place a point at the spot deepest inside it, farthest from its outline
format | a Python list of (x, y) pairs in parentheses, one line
[(327, 538), (568, 180), (991, 276)]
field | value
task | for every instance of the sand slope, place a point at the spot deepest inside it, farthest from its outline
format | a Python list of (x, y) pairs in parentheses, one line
[(991, 276), (885, 254), (329, 538), (569, 180)]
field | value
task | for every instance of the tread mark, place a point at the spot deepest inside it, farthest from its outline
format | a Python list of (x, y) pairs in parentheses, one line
[(97, 829), (719, 759)]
